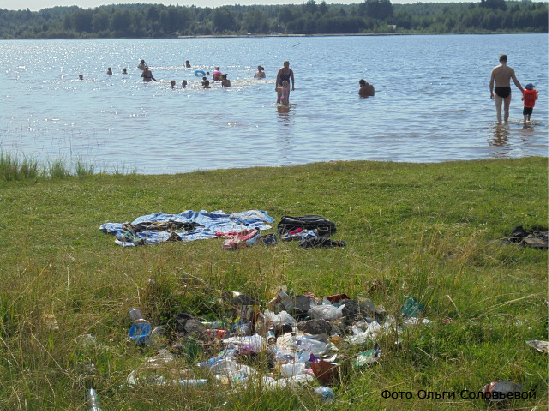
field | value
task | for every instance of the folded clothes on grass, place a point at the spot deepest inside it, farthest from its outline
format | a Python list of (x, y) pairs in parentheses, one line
[(186, 226)]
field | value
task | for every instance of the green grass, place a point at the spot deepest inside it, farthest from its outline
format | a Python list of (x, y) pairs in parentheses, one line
[(423, 229)]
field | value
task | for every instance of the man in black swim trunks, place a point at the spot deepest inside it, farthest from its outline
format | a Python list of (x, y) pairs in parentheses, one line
[(501, 78)]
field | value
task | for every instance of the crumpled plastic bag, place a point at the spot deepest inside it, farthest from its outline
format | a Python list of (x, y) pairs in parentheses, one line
[(282, 318), (360, 337), (326, 312)]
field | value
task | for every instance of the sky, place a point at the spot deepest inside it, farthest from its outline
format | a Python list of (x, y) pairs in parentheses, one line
[(35, 5)]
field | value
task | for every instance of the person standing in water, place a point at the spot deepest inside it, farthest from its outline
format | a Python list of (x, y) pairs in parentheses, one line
[(529, 96), (501, 79), (366, 89), (285, 74), (260, 73)]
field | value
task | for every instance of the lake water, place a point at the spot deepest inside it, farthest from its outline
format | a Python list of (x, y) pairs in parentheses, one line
[(432, 101)]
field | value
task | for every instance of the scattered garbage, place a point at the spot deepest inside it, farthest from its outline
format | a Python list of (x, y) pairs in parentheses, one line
[(93, 400), (300, 338), (325, 372), (411, 307), (324, 393), (536, 238), (193, 383), (368, 357), (140, 328), (327, 312), (539, 345), (498, 390)]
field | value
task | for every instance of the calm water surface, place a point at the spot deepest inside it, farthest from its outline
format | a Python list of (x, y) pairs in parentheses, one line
[(432, 101)]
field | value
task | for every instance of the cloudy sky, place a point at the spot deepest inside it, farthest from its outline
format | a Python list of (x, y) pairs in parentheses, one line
[(43, 4)]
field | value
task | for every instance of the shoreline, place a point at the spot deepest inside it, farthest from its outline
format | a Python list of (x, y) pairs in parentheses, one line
[(221, 36)]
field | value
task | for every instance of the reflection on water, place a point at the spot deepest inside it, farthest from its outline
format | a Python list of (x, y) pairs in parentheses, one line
[(501, 134), (109, 121)]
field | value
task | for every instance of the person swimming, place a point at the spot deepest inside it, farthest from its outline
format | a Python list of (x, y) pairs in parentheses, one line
[(216, 75), (366, 89), (225, 82), (260, 73), (147, 75)]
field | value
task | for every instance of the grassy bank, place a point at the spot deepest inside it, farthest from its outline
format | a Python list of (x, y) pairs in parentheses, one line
[(422, 230)]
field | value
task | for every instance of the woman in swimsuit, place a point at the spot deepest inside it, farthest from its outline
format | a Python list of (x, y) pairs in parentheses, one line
[(285, 74)]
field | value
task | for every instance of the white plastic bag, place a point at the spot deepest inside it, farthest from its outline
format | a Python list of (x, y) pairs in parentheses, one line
[(326, 312)]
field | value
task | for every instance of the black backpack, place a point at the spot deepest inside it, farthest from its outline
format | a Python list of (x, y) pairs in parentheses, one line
[(322, 226)]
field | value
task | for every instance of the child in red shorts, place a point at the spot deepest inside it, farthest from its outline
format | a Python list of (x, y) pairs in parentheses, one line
[(529, 95)]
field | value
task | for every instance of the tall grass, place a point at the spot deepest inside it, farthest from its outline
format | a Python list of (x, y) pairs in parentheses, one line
[(13, 168)]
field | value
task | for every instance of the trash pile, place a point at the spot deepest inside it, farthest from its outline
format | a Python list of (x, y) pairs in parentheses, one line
[(295, 340), (536, 238)]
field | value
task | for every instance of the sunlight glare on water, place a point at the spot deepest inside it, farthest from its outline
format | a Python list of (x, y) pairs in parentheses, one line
[(432, 101)]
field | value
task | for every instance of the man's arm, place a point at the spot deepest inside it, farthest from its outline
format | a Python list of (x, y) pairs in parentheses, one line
[(515, 80), (492, 82), (292, 78)]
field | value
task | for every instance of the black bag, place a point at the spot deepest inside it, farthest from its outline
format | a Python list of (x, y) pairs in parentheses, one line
[(320, 225)]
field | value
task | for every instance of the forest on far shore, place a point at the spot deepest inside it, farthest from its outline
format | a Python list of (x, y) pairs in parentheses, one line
[(372, 16)]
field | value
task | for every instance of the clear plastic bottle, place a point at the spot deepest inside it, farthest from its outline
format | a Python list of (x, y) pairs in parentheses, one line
[(93, 400)]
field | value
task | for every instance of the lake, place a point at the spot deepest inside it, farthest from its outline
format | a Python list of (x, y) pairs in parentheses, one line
[(432, 101)]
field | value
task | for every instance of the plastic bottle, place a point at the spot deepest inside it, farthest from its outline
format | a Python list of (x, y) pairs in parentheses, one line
[(135, 314), (324, 393), (93, 400), (140, 329), (192, 383)]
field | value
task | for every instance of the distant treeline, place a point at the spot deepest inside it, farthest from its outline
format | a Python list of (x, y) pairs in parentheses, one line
[(372, 16)]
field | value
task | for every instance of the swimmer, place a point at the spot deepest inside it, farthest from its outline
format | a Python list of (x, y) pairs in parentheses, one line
[(366, 89), (187, 64), (172, 83), (124, 70), (260, 73), (216, 75), (81, 77), (147, 75), (205, 82), (184, 84), (142, 65), (109, 71), (224, 81)]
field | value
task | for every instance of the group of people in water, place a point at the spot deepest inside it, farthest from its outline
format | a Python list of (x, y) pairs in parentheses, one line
[(284, 84)]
